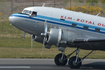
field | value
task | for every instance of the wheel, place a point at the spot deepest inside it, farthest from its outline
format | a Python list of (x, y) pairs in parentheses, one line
[(60, 62), (72, 63)]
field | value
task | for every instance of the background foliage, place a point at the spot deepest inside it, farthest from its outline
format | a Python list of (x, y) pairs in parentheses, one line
[(88, 9)]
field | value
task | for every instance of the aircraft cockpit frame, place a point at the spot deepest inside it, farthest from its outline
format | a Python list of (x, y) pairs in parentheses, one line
[(30, 13)]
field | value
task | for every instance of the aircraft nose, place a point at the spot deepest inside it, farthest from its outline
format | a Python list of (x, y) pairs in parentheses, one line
[(11, 19)]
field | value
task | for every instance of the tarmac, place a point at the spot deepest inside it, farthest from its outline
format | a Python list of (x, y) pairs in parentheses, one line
[(47, 64)]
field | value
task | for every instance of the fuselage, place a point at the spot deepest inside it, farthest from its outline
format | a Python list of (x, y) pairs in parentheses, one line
[(59, 18), (84, 24), (62, 28)]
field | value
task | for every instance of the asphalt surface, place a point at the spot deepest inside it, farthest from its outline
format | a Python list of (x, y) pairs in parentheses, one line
[(47, 64)]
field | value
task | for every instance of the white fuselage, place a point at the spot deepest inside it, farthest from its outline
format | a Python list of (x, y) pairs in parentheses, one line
[(62, 28), (61, 18), (86, 25)]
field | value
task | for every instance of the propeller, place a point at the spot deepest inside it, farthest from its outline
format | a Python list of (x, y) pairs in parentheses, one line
[(31, 42), (45, 35), (32, 38), (24, 36)]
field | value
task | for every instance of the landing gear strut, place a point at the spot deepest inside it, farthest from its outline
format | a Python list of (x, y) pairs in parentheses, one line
[(74, 62), (61, 59)]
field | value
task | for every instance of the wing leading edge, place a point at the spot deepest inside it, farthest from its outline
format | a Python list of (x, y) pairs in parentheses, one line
[(87, 40), (89, 43)]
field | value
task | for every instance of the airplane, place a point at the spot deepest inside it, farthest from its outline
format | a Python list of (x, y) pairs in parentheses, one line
[(62, 28)]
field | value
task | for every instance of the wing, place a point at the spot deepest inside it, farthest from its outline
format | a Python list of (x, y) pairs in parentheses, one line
[(89, 43), (75, 38), (90, 40)]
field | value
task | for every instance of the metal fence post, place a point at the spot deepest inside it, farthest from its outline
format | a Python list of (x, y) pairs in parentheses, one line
[(91, 6), (11, 6), (33, 2), (70, 4), (91, 2), (54, 3)]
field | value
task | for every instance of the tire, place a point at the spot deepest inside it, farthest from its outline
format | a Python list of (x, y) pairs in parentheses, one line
[(58, 62), (72, 65)]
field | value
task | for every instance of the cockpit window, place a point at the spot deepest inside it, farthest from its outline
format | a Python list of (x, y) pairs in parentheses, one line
[(30, 13), (34, 14), (26, 12)]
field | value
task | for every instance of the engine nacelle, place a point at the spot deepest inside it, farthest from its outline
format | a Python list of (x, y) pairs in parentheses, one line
[(59, 37), (38, 39), (54, 36)]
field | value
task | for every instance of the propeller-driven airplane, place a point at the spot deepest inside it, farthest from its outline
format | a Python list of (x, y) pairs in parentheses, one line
[(62, 28)]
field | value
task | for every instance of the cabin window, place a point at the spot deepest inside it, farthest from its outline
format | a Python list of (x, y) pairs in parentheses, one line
[(62, 19), (85, 27), (74, 25), (97, 30)]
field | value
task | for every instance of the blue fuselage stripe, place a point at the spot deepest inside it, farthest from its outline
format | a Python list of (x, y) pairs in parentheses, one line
[(59, 22)]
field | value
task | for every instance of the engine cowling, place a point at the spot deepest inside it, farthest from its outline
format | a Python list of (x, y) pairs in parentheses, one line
[(59, 38), (38, 39), (54, 36)]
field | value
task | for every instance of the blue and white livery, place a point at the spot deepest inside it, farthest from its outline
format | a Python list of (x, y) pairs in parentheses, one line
[(62, 28)]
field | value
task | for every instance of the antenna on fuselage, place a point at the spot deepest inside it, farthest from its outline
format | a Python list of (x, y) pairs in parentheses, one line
[(43, 4), (98, 14)]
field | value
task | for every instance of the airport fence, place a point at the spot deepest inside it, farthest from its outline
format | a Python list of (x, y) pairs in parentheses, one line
[(8, 7)]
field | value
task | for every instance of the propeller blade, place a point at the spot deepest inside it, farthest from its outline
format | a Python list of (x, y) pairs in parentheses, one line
[(44, 41), (45, 35), (31, 42), (28, 34), (24, 36), (45, 30), (45, 26)]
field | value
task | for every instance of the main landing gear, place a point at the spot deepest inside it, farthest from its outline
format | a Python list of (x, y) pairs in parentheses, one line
[(60, 59), (74, 62)]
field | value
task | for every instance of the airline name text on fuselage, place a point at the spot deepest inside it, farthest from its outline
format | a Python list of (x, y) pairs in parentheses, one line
[(83, 21)]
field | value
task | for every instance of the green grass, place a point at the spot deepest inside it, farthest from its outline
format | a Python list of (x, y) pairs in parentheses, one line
[(6, 28), (13, 46), (23, 53), (17, 48), (17, 42), (10, 52)]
